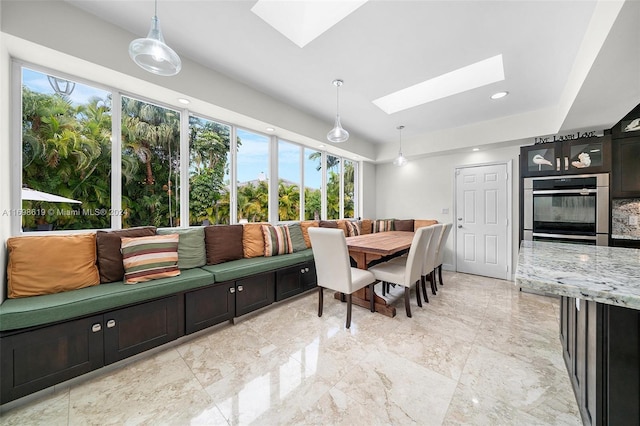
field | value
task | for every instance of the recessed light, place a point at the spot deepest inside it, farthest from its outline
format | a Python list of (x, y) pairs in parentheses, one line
[(321, 146), (499, 95), (270, 129), (184, 101), (476, 149)]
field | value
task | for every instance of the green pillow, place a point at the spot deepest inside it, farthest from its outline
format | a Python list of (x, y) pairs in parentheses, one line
[(191, 249), (297, 239)]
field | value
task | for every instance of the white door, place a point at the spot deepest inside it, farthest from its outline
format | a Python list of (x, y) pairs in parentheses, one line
[(481, 220)]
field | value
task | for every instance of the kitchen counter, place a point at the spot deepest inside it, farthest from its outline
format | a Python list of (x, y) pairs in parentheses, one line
[(599, 289), (609, 275)]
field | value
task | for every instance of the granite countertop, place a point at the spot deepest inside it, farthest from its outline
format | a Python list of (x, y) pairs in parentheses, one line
[(608, 275)]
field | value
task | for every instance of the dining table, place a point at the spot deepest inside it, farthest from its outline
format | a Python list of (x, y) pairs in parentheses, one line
[(364, 249)]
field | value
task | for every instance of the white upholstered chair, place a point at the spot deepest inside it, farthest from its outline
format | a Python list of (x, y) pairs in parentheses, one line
[(333, 268), (429, 266), (409, 272), (440, 252)]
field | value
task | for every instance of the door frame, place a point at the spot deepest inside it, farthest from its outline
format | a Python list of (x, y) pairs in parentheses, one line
[(509, 212)]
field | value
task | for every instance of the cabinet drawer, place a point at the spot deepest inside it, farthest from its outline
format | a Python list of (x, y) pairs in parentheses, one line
[(38, 359), (209, 306), (136, 329)]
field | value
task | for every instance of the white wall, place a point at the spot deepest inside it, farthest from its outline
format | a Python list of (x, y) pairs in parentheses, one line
[(424, 187)]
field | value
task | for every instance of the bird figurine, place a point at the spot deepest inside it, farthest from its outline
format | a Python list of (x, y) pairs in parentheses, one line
[(584, 160), (540, 160)]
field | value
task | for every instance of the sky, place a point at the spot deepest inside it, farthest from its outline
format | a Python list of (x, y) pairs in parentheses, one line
[(253, 154)]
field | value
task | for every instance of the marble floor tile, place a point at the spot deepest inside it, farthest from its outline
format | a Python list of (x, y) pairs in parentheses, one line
[(481, 352)]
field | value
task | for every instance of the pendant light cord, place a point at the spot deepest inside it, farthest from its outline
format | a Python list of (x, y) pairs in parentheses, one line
[(155, 12)]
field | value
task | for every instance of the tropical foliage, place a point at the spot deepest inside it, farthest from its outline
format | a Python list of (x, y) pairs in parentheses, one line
[(67, 151)]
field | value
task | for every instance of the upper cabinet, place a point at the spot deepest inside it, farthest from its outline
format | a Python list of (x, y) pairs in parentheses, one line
[(625, 176), (577, 156)]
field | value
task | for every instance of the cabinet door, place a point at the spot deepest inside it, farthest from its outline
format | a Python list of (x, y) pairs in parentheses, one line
[(209, 306), (540, 160), (586, 155), (136, 329), (255, 292), (289, 282), (38, 359), (626, 169), (309, 278)]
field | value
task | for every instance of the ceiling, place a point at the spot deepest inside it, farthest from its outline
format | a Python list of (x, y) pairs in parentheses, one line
[(385, 46)]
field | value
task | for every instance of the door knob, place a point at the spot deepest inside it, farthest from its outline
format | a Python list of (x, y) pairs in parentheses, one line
[(459, 218), (459, 226)]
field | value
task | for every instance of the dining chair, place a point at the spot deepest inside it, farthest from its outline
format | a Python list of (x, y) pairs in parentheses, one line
[(408, 273), (440, 252), (333, 268)]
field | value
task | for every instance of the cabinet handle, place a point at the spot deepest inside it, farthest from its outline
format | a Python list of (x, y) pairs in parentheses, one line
[(111, 323), (306, 269), (232, 290), (557, 164), (240, 288), (302, 271), (566, 163), (96, 327)]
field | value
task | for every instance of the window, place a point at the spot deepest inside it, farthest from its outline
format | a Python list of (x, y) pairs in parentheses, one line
[(150, 164), (349, 188), (333, 187), (66, 152), (312, 184), (209, 185), (252, 167), (288, 181)]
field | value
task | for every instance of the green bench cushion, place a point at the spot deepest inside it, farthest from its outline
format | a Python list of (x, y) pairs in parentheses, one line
[(241, 268), (37, 310)]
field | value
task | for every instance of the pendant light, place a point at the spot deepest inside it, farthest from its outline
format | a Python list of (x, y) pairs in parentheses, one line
[(61, 86), (337, 134), (152, 54), (400, 159)]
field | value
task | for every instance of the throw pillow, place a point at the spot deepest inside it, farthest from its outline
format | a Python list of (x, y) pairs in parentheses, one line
[(252, 239), (276, 240), (150, 258), (223, 243), (109, 255), (383, 225), (191, 249), (51, 264), (366, 226), (305, 225), (328, 224), (403, 225), (297, 239), (419, 223), (354, 228)]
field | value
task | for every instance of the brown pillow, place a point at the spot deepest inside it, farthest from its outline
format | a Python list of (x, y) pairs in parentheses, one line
[(253, 239), (419, 223), (403, 225), (328, 224), (224, 243), (109, 255), (51, 264), (366, 226), (305, 225), (342, 224)]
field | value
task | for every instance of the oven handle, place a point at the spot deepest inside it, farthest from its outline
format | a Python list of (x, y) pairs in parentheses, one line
[(584, 191), (568, 237)]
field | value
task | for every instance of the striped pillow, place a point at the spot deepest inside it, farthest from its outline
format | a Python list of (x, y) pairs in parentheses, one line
[(383, 225), (354, 228), (277, 240), (149, 258)]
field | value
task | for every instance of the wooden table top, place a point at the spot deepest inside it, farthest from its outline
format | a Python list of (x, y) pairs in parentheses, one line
[(382, 243)]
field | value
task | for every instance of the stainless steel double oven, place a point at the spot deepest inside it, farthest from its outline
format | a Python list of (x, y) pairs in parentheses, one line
[(567, 209)]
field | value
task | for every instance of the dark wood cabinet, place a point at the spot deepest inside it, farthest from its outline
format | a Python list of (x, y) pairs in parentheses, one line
[(133, 330), (210, 306), (625, 176), (576, 156), (295, 280), (255, 292), (40, 358)]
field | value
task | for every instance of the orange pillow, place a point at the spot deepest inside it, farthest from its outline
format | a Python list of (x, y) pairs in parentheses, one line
[(366, 226), (342, 224), (253, 239), (305, 225), (51, 264), (419, 223)]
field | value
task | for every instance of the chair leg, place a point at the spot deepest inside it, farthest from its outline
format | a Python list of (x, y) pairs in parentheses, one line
[(432, 280), (372, 297), (384, 288), (348, 310), (422, 284), (320, 301), (440, 274), (418, 294), (407, 301)]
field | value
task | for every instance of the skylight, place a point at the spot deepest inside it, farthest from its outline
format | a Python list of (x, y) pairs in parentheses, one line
[(303, 21), (466, 78)]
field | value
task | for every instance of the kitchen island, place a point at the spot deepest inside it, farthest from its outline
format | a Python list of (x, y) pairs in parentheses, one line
[(599, 289)]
